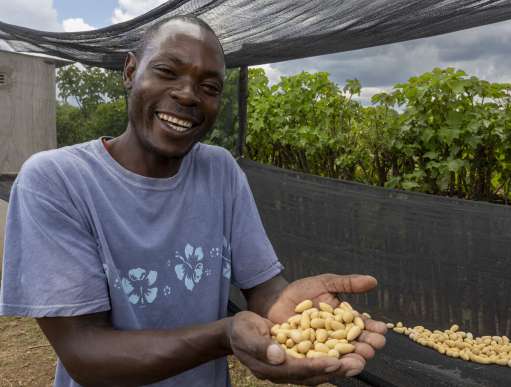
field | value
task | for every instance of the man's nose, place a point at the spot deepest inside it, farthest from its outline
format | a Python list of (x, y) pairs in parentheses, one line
[(185, 94)]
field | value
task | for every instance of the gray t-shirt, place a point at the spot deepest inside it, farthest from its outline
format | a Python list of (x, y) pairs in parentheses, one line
[(86, 235)]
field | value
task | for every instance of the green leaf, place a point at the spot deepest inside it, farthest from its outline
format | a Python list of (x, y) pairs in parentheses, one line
[(410, 185), (432, 155), (455, 165)]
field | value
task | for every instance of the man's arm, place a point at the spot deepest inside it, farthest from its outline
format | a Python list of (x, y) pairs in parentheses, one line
[(260, 298), (95, 354)]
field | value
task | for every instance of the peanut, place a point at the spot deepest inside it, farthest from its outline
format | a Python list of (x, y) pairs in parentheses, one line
[(323, 331), (459, 344), (325, 307), (303, 306), (353, 333), (344, 348)]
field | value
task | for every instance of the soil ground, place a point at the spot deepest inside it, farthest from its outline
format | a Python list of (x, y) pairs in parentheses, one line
[(26, 358)]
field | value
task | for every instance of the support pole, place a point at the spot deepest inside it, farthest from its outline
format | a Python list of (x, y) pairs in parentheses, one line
[(242, 109)]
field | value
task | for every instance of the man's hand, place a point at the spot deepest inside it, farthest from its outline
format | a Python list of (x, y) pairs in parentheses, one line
[(251, 343), (325, 288)]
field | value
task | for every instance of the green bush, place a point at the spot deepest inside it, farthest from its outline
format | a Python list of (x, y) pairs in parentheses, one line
[(452, 136)]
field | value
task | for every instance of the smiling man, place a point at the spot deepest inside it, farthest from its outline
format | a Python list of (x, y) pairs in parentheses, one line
[(124, 248)]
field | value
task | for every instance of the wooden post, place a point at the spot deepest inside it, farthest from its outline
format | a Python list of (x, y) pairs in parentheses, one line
[(242, 109)]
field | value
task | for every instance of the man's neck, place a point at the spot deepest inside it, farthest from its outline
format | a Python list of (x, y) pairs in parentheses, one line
[(127, 151)]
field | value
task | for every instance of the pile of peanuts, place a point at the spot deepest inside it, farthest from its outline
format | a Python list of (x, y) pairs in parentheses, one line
[(314, 332), (459, 344)]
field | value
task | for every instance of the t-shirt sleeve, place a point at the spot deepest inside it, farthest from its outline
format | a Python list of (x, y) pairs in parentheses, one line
[(253, 258), (51, 265)]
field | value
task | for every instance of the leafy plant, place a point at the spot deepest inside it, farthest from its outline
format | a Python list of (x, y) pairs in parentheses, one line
[(452, 136)]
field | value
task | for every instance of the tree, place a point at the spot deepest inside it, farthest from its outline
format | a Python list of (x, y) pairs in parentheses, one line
[(89, 86), (225, 131), (454, 133), (451, 137), (304, 122), (100, 99)]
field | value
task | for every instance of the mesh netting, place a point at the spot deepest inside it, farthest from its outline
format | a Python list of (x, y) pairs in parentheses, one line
[(6, 182), (257, 32), (438, 260)]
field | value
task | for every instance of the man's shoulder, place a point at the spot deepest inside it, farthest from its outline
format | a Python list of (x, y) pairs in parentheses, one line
[(216, 155), (219, 165), (45, 167)]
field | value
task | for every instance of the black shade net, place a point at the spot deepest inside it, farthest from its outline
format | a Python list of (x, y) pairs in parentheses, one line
[(6, 182), (438, 261), (257, 32)]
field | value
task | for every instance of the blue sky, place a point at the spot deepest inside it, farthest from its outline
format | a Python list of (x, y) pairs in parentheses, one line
[(484, 51), (97, 13)]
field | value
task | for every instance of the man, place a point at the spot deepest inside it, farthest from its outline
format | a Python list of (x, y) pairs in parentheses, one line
[(124, 249)]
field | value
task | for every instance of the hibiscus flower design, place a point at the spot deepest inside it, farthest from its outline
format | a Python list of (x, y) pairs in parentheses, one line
[(226, 259), (191, 268), (138, 286)]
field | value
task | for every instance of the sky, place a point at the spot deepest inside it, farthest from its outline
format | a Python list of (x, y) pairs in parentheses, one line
[(483, 51)]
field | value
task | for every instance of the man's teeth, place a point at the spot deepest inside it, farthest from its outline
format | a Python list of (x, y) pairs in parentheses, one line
[(183, 125)]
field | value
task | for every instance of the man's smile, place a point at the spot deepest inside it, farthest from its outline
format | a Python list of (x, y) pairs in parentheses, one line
[(176, 124)]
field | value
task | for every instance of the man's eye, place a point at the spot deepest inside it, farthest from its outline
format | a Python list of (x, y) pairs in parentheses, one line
[(211, 89), (166, 71)]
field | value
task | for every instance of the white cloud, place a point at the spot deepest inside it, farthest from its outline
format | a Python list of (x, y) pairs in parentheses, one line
[(272, 73), (35, 14), (128, 9), (483, 52), (77, 24), (367, 93)]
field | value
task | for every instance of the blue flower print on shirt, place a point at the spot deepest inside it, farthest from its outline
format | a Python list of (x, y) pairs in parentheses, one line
[(191, 268), (138, 286), (226, 259), (110, 277)]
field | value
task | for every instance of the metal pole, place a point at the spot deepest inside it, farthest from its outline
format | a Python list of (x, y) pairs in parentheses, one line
[(242, 109)]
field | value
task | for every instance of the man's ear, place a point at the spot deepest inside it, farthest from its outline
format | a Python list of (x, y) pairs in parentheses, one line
[(130, 67)]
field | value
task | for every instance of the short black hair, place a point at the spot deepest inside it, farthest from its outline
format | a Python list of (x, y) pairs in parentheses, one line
[(153, 30)]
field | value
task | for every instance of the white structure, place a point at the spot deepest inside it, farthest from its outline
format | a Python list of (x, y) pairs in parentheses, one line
[(27, 107), (27, 112)]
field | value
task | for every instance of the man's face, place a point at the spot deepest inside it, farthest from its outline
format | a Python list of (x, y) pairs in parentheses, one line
[(175, 88)]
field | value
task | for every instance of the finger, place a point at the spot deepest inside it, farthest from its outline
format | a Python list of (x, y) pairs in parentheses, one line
[(375, 326), (364, 350), (352, 364), (315, 381), (265, 351), (375, 340), (354, 283), (294, 369), (256, 340), (275, 354)]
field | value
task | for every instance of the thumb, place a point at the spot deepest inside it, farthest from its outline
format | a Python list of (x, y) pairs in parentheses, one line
[(267, 351), (275, 354), (253, 337)]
